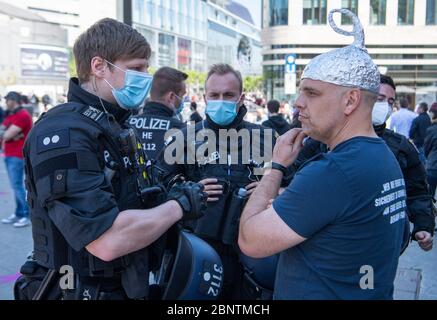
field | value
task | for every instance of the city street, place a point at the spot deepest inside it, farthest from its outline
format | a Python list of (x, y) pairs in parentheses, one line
[(16, 244)]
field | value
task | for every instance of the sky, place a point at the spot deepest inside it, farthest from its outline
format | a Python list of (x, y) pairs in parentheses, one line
[(254, 7)]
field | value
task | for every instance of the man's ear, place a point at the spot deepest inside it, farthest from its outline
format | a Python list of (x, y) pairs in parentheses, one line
[(353, 99), (98, 67), (242, 99), (167, 98)]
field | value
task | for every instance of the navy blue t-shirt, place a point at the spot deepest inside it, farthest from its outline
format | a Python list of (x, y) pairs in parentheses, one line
[(350, 205)]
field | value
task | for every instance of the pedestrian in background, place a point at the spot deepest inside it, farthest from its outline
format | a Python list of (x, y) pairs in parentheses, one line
[(2, 114), (430, 150), (276, 120), (402, 120), (195, 116), (15, 129), (419, 127)]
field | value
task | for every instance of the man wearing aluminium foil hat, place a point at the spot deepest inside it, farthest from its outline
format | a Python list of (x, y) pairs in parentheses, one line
[(419, 201), (339, 225)]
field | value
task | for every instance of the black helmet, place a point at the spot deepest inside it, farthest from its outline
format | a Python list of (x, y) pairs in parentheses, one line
[(197, 272)]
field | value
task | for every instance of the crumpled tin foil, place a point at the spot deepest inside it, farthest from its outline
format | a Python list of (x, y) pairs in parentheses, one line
[(350, 66)]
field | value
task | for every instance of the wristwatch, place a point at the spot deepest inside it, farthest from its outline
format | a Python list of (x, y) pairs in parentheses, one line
[(280, 167)]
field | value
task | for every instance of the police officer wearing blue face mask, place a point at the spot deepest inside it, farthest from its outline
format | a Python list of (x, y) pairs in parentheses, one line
[(92, 202), (167, 100), (228, 180)]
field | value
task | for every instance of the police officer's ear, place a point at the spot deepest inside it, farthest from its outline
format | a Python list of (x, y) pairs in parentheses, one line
[(241, 101), (170, 98), (99, 67)]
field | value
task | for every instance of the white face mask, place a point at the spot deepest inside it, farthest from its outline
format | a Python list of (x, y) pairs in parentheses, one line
[(381, 112)]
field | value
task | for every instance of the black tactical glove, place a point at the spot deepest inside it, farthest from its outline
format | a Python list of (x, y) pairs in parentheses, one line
[(191, 198)]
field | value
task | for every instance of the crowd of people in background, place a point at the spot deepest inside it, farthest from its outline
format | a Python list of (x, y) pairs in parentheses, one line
[(14, 128), (32, 103), (416, 124), (18, 112), (419, 126)]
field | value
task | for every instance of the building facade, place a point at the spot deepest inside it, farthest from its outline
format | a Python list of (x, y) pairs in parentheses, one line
[(74, 16), (233, 37), (34, 55), (194, 34), (401, 37), (176, 30)]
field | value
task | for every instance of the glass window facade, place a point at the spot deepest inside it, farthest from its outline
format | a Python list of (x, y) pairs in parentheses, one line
[(161, 16), (172, 20), (166, 51), (406, 12), (138, 10), (274, 81), (378, 10), (178, 31), (184, 54), (352, 5), (431, 12), (278, 13), (151, 38), (314, 12), (150, 13), (223, 49), (233, 48), (199, 57)]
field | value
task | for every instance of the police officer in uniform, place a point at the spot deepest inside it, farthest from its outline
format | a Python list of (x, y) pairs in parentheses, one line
[(419, 203), (229, 177), (87, 186), (167, 100)]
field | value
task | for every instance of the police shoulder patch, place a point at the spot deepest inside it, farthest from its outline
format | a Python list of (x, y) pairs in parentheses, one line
[(93, 113), (53, 140)]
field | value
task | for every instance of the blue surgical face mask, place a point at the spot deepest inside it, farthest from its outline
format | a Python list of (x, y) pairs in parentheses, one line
[(222, 112), (136, 88), (180, 107)]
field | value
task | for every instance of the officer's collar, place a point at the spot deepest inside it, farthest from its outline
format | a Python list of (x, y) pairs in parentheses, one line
[(236, 124), (380, 129), (77, 94), (158, 107)]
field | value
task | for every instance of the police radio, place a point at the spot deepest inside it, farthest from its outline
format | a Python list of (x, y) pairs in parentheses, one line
[(150, 193)]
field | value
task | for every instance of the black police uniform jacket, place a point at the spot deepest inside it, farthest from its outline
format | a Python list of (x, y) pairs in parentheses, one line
[(152, 125), (430, 148), (72, 201), (419, 203)]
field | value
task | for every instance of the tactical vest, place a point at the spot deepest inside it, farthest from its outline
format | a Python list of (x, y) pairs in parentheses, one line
[(50, 248), (237, 173)]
